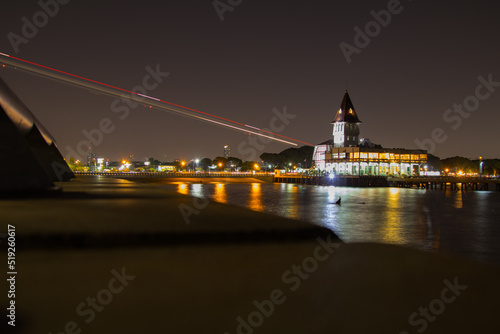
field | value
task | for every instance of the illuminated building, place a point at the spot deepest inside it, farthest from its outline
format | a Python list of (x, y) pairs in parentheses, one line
[(227, 151), (347, 154)]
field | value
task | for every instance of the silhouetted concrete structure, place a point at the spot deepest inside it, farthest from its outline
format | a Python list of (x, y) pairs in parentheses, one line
[(29, 158)]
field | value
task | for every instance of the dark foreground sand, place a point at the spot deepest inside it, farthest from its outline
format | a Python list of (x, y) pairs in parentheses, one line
[(114, 256)]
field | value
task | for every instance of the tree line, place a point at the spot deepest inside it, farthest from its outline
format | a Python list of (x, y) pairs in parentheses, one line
[(456, 164)]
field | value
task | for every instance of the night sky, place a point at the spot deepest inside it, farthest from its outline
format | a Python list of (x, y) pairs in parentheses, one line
[(264, 55)]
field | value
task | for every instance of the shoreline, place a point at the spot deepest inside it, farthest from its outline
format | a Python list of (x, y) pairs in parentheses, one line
[(197, 180)]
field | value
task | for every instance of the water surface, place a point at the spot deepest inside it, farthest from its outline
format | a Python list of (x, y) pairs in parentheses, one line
[(461, 223)]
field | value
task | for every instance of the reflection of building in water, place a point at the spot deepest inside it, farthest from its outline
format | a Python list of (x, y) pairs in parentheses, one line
[(289, 202), (348, 154)]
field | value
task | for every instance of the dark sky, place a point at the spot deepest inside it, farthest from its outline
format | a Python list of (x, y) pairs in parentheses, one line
[(263, 55)]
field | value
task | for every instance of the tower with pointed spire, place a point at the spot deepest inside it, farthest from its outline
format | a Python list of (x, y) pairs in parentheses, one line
[(347, 154), (346, 124)]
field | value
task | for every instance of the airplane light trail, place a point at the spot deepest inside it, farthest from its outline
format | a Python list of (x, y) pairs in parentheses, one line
[(253, 127), (149, 97), (158, 103)]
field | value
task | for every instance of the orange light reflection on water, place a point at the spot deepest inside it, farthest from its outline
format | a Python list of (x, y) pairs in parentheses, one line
[(183, 188), (459, 203), (392, 230), (255, 199), (220, 194)]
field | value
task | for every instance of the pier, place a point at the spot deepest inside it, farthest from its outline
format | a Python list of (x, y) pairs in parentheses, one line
[(338, 180), (453, 183)]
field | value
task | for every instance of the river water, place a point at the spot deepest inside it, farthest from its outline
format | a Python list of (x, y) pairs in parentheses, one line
[(454, 222)]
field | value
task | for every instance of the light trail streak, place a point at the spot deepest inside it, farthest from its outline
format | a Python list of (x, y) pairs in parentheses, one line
[(253, 127), (255, 133), (76, 80), (149, 97)]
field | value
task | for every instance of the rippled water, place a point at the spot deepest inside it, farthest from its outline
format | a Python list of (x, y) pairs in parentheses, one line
[(461, 223)]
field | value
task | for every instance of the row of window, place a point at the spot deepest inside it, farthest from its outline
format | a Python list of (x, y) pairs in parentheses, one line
[(381, 156), (340, 126)]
